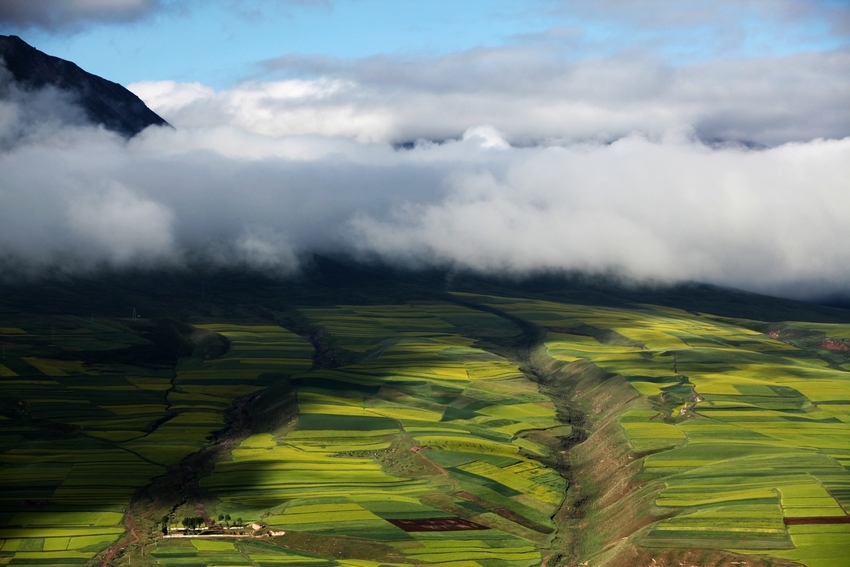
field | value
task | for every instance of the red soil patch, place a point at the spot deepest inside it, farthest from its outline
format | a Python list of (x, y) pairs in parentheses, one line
[(817, 520), (437, 525), (835, 344)]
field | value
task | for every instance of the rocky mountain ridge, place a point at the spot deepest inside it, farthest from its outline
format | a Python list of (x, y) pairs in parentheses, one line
[(103, 102)]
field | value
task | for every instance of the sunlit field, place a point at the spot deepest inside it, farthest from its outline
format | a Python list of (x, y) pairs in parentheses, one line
[(423, 430), (749, 436), (459, 430)]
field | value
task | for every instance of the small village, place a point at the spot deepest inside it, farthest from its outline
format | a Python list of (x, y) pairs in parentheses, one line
[(196, 527)]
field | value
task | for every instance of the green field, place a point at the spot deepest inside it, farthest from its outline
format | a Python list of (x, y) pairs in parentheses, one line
[(425, 425), (78, 439), (384, 423), (742, 431)]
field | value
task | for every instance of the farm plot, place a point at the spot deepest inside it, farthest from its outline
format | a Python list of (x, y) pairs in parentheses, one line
[(419, 442), (425, 448), (78, 439), (203, 390), (64, 480), (750, 435)]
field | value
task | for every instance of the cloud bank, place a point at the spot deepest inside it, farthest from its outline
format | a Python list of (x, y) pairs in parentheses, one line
[(505, 160), (32, 115), (62, 14), (774, 220), (57, 16), (532, 95)]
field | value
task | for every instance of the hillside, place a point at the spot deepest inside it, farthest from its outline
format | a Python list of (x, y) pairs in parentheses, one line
[(104, 102), (360, 416)]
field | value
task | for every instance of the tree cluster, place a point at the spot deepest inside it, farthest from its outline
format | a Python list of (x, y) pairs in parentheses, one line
[(193, 522), (225, 519)]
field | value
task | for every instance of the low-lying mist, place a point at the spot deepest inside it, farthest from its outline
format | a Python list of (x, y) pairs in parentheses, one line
[(232, 187)]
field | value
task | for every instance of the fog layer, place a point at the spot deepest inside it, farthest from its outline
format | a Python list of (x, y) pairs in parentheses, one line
[(774, 220), (503, 161)]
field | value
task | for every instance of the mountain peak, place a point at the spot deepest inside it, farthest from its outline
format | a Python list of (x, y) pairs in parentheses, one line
[(103, 101)]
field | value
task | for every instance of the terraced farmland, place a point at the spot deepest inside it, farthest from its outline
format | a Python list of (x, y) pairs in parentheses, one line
[(78, 440), (364, 428), (402, 446), (747, 437), (66, 476)]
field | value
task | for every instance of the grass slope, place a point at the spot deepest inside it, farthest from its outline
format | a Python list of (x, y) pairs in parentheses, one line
[(377, 421)]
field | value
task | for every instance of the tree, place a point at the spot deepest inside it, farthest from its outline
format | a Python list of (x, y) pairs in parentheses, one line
[(227, 519), (193, 522)]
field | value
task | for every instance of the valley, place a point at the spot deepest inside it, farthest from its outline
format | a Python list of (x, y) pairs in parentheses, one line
[(362, 417)]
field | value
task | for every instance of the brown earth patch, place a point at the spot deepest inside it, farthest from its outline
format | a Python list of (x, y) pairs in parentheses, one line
[(633, 556), (836, 344), (437, 525), (817, 520)]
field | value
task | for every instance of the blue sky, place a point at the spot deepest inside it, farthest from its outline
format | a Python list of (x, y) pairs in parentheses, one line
[(220, 45), (222, 42)]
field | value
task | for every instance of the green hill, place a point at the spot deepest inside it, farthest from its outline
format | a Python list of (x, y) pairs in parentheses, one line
[(363, 416)]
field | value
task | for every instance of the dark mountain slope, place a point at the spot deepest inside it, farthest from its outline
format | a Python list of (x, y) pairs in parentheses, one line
[(104, 102)]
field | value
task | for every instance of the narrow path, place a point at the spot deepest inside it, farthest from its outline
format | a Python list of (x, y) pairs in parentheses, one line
[(128, 539), (245, 556), (418, 449), (443, 472)]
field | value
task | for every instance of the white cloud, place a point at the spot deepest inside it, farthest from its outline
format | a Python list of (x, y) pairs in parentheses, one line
[(325, 107), (770, 220), (543, 163), (31, 115), (59, 15), (56, 14), (266, 250), (670, 211), (487, 136), (121, 226), (530, 97)]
